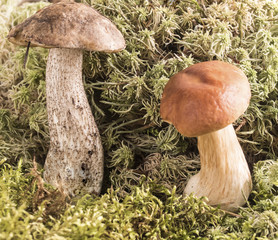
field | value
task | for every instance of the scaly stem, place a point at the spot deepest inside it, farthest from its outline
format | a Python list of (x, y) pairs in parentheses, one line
[(224, 177), (74, 162)]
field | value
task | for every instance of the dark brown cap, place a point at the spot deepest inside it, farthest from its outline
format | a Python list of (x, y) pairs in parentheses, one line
[(205, 97), (68, 25)]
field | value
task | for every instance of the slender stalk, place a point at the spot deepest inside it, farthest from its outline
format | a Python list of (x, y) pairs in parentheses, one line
[(75, 159), (224, 177)]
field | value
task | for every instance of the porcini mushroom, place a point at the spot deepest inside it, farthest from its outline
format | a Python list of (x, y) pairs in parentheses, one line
[(74, 162), (202, 101)]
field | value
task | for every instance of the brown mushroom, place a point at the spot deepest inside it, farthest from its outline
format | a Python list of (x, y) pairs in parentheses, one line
[(75, 159), (202, 101)]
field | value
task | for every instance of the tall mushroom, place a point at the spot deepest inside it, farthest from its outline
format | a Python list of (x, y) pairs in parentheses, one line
[(202, 101), (75, 159)]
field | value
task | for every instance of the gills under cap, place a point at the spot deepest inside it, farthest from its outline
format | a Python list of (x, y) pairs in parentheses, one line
[(205, 97), (68, 25)]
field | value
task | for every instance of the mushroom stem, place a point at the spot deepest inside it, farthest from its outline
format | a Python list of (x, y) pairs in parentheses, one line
[(224, 177), (74, 162)]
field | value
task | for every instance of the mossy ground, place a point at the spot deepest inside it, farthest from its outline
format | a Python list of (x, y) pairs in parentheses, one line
[(147, 161)]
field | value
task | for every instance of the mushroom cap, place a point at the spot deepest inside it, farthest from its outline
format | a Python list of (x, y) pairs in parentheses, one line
[(205, 97), (68, 25)]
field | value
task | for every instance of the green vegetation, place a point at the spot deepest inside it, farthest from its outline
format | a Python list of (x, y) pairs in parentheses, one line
[(147, 161), (150, 211)]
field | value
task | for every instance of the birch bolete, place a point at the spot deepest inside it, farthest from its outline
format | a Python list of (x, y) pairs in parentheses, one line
[(74, 162), (202, 101)]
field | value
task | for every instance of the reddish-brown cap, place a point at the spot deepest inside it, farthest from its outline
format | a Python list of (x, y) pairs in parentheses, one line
[(205, 97), (68, 25)]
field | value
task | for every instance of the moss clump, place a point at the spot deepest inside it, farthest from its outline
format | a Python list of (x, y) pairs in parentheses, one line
[(150, 211), (146, 159), (16, 221), (23, 119)]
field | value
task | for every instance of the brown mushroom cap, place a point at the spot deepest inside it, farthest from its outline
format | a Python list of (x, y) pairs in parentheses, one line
[(205, 97), (68, 25)]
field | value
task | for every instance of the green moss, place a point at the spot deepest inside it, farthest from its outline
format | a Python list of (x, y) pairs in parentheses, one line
[(148, 162), (23, 129), (149, 211), (16, 192), (140, 215)]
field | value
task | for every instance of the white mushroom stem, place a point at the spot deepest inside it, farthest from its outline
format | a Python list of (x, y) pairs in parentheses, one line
[(224, 177), (74, 162)]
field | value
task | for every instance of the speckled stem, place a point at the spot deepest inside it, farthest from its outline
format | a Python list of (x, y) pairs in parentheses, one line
[(74, 163), (224, 176)]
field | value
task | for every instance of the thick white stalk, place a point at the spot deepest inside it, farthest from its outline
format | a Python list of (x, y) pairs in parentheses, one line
[(224, 177), (74, 162)]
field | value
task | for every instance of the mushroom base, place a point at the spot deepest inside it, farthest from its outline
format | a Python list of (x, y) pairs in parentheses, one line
[(74, 163), (224, 177)]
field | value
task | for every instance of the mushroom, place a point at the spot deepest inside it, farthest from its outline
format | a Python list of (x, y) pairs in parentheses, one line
[(202, 101), (74, 162)]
